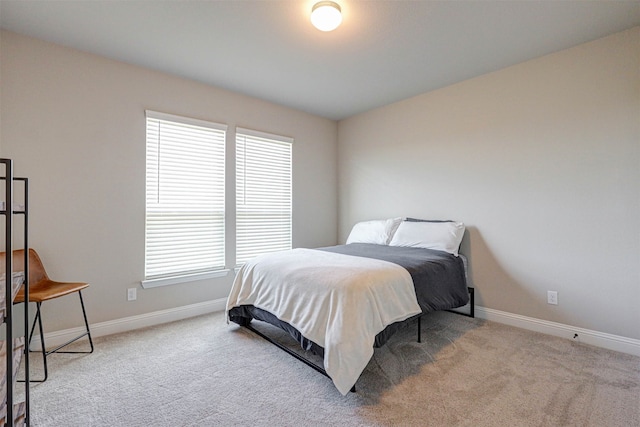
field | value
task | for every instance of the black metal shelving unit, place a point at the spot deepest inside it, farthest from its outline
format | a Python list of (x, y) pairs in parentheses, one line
[(13, 413)]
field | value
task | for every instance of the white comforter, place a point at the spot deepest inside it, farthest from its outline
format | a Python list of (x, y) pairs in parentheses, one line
[(340, 302)]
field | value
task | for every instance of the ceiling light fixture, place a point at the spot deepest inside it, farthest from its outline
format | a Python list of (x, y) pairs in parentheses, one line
[(326, 15)]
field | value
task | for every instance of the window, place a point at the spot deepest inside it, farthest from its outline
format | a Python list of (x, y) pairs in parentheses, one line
[(184, 227), (263, 194)]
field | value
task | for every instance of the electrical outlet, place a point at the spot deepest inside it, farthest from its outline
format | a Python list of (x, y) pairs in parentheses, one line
[(552, 297), (131, 294)]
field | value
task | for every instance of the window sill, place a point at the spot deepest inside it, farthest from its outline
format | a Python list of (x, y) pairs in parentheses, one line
[(166, 281)]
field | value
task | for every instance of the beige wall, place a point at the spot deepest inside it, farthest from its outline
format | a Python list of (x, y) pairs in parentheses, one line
[(74, 123), (541, 161)]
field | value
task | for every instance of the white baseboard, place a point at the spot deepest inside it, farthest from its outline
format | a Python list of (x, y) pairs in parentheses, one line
[(599, 339), (586, 336), (54, 339)]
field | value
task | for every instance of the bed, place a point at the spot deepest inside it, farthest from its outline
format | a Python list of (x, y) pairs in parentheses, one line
[(342, 301)]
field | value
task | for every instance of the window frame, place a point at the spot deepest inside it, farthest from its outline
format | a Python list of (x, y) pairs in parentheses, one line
[(188, 276), (267, 138)]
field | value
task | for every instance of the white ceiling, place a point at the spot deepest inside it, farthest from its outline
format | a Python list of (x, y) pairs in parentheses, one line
[(383, 52)]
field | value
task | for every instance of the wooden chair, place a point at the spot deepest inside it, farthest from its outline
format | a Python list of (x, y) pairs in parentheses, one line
[(41, 289)]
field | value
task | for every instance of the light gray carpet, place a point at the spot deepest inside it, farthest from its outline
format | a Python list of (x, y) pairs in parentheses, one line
[(467, 372)]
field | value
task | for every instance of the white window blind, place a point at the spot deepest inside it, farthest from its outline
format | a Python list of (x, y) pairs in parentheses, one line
[(184, 197), (263, 194)]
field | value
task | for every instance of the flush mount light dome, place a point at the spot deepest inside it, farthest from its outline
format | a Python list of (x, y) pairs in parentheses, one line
[(326, 15)]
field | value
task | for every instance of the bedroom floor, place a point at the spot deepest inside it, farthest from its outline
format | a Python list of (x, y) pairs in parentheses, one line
[(203, 372)]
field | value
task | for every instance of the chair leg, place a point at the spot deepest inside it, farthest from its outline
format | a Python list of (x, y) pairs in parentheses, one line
[(33, 327), (38, 320), (86, 322), (86, 333), (45, 353)]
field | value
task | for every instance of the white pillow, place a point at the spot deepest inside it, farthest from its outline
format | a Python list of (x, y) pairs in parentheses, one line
[(378, 232), (443, 236)]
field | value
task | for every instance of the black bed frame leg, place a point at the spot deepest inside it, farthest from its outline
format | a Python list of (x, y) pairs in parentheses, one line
[(472, 304)]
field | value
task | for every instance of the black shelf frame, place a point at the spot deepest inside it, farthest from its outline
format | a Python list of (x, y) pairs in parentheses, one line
[(9, 213)]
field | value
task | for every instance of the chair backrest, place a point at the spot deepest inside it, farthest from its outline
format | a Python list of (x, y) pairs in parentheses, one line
[(36, 269)]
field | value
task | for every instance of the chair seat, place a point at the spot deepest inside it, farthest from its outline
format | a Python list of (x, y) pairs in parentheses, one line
[(48, 289)]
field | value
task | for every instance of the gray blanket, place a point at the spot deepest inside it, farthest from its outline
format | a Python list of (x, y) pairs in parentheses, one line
[(438, 276)]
